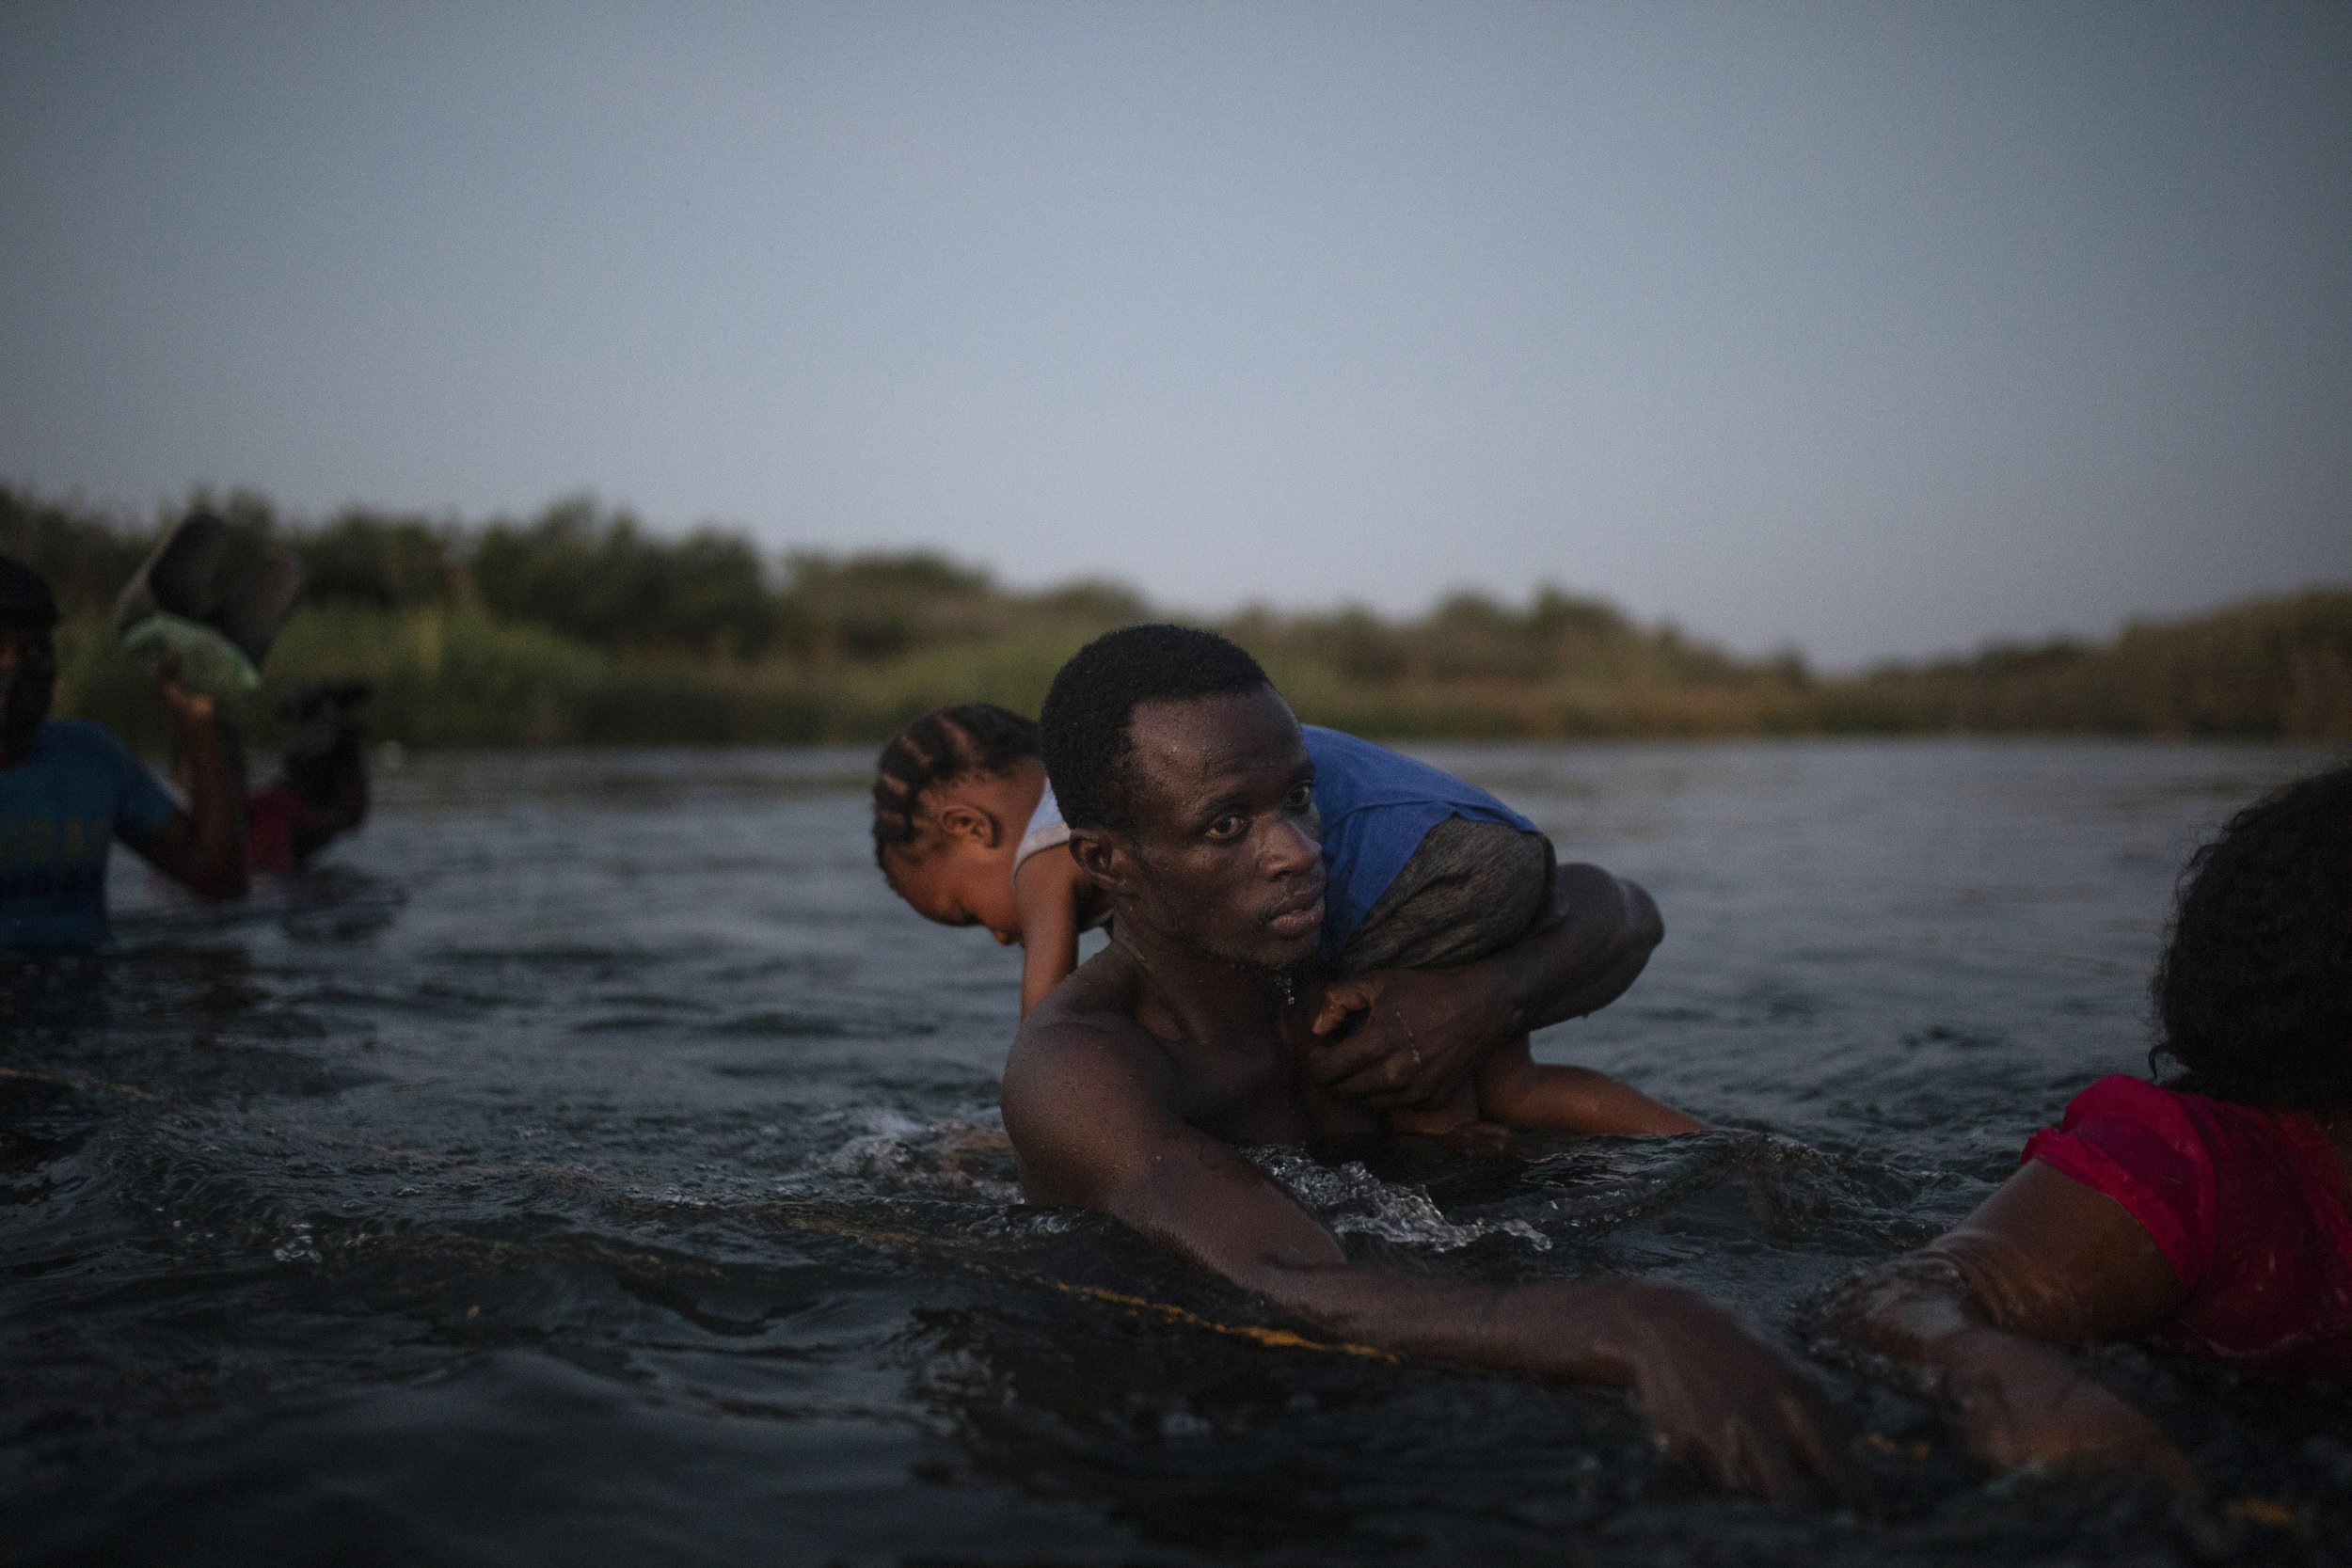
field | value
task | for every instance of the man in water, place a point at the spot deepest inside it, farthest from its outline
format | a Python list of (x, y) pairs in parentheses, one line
[(67, 789), (1188, 791)]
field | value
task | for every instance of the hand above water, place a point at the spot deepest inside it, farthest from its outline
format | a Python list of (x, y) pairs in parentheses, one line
[(188, 704), (202, 845), (1416, 1033), (1420, 1030)]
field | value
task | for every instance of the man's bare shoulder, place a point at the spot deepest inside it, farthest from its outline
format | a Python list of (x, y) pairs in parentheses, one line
[(1088, 1022), (1087, 1090)]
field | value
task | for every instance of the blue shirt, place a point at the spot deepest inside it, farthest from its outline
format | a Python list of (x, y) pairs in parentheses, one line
[(60, 809), (1376, 807)]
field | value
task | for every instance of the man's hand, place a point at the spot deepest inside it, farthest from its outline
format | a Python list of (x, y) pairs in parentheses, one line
[(1722, 1400), (1417, 1034), (1091, 1104)]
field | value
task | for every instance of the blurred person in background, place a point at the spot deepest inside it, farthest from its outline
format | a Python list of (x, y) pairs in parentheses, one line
[(69, 788), (322, 793), (197, 600)]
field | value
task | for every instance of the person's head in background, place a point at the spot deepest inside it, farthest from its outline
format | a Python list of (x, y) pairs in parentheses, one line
[(2254, 991), (953, 792), (28, 657), (324, 757)]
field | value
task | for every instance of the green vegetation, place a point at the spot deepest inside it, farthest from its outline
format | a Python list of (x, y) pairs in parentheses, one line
[(579, 626)]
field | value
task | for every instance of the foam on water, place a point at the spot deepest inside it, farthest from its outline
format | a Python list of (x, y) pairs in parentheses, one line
[(1352, 1201), (958, 1158)]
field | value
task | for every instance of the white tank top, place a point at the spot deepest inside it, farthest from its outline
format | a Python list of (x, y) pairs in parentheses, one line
[(1047, 830)]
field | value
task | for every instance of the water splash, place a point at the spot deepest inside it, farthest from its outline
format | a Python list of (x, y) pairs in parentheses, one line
[(891, 1153), (1354, 1202), (299, 1247)]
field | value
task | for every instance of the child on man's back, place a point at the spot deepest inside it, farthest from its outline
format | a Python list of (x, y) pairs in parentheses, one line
[(967, 831)]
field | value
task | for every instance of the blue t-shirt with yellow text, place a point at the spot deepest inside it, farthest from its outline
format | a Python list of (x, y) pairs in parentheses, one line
[(60, 809)]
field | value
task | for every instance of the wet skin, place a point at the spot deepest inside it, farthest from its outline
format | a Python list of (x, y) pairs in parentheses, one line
[(2044, 1262), (1129, 1086)]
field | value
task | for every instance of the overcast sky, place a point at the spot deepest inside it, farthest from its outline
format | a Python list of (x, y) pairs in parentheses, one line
[(1874, 328)]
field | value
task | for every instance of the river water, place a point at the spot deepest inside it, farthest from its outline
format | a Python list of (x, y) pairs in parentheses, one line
[(591, 1162)]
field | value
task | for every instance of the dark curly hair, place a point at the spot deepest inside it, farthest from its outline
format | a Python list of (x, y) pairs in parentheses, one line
[(1088, 745), (2254, 991), (945, 744), (25, 601)]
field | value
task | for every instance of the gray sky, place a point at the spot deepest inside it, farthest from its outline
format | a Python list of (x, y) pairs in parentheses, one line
[(1877, 328)]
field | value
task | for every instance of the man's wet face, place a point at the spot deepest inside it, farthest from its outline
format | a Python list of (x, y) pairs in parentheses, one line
[(1228, 847)]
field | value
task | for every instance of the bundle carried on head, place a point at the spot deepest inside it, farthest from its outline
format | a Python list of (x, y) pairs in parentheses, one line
[(169, 606)]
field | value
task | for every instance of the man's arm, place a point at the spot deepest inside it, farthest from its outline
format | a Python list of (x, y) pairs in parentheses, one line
[(203, 846), (1423, 1031), (1090, 1116), (2044, 1260)]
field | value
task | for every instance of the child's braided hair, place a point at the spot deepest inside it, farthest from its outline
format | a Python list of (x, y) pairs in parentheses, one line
[(944, 745)]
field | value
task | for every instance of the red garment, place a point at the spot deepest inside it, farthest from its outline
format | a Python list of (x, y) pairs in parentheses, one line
[(274, 821), (2248, 1205)]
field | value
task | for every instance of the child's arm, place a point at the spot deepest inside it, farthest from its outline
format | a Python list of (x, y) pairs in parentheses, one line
[(1048, 891), (1529, 1096)]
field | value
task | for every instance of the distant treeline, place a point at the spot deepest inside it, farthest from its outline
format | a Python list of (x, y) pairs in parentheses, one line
[(578, 625)]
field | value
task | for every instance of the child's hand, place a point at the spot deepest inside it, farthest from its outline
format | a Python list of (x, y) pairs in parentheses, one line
[(1415, 1037), (1343, 1006)]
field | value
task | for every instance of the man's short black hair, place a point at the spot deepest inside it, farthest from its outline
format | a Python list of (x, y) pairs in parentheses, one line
[(1089, 749)]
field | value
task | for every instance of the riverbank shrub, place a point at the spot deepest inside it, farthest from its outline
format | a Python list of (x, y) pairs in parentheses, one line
[(581, 626)]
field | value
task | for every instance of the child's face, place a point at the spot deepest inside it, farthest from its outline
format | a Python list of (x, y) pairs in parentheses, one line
[(964, 878)]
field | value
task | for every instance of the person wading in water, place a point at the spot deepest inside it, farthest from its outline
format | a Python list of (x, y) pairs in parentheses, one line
[(69, 788), (1187, 790)]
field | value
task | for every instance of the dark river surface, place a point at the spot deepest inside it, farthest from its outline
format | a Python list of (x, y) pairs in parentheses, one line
[(589, 1163)]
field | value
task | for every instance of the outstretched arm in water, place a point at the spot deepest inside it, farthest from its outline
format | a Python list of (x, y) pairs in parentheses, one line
[(2044, 1261), (1424, 1031), (1090, 1110)]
